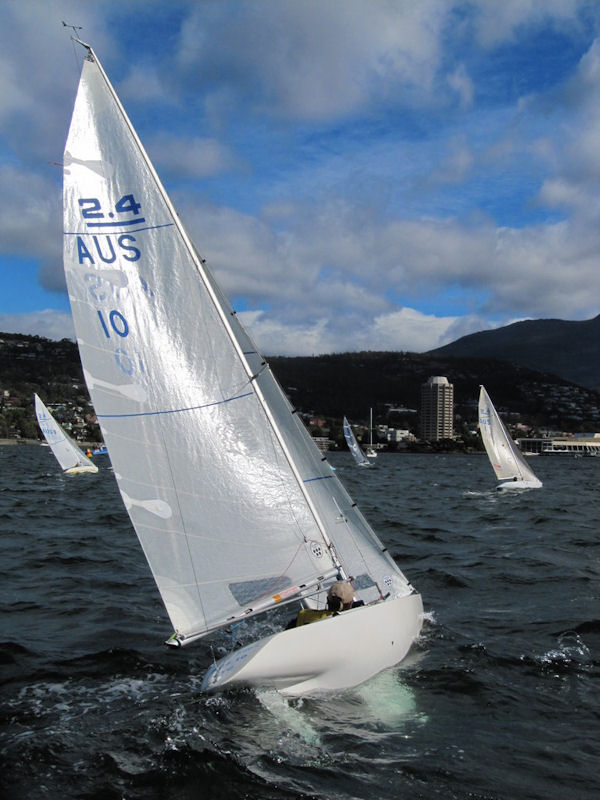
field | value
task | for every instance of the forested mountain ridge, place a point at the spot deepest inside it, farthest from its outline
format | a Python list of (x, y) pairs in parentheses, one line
[(570, 350), (329, 386), (350, 383)]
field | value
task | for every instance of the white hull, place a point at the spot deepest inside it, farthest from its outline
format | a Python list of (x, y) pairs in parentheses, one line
[(79, 470), (331, 654), (511, 486)]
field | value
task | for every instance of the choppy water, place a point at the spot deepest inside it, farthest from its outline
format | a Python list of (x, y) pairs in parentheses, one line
[(499, 701)]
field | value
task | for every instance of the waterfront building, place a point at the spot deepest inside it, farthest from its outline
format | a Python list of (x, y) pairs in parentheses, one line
[(437, 409), (587, 444)]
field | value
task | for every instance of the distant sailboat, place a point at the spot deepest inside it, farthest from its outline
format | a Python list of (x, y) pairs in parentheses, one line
[(371, 452), (68, 455), (355, 449), (508, 462), (237, 511)]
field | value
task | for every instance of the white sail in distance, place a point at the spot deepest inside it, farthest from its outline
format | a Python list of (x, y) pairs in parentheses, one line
[(234, 506), (354, 447), (71, 459), (505, 457), (371, 452)]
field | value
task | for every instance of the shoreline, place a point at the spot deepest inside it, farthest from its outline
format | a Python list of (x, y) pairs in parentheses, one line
[(37, 442), (92, 445)]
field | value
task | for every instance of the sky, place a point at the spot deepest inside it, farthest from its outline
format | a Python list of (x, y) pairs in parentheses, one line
[(358, 174)]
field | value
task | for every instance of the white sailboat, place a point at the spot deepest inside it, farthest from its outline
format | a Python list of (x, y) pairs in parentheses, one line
[(371, 452), (237, 511), (508, 462), (357, 453), (66, 451)]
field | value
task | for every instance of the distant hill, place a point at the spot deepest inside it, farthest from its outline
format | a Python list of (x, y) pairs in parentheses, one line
[(351, 383), (327, 386), (570, 350)]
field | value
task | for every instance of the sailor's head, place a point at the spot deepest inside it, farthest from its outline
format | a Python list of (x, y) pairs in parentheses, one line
[(340, 596)]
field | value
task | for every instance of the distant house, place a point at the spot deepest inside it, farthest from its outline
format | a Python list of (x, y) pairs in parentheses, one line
[(322, 443)]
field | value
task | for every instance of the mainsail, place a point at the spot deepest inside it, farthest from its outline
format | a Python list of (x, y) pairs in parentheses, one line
[(67, 453), (505, 457), (235, 508), (355, 449)]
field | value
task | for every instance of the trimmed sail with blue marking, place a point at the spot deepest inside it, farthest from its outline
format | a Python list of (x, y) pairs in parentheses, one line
[(234, 506)]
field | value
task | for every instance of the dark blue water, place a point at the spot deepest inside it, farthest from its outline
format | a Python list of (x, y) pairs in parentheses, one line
[(499, 700)]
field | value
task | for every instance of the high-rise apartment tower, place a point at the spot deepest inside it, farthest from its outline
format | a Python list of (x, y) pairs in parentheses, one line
[(437, 409)]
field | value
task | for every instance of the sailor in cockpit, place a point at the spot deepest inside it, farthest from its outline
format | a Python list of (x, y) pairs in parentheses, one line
[(340, 597)]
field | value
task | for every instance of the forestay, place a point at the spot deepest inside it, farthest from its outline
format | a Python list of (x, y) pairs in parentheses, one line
[(233, 504), (66, 451), (507, 460)]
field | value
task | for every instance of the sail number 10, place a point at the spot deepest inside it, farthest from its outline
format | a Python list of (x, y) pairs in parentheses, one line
[(116, 323)]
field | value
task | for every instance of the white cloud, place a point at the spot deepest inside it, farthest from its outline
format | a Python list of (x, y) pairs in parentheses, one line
[(457, 164), (338, 231), (553, 268), (334, 272), (556, 192), (39, 72), (12, 97), (575, 165), (30, 221), (317, 60), (409, 329), (498, 22), (462, 84), (406, 329), (273, 337), (144, 83), (190, 157), (49, 323)]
